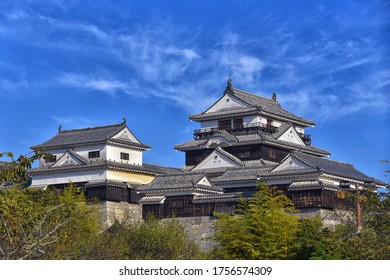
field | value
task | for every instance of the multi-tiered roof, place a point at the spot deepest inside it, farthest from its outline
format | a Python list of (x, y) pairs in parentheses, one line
[(251, 105), (245, 138)]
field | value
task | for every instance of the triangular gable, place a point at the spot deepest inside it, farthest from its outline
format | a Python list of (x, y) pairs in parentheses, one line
[(227, 102), (292, 136), (218, 159), (291, 163), (70, 158), (204, 181), (126, 135)]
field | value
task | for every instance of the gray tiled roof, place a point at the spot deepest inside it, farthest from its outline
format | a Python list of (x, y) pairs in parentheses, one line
[(257, 137), (112, 183), (85, 136), (241, 174), (104, 164), (258, 105), (311, 185), (225, 197), (331, 167), (178, 182), (152, 199)]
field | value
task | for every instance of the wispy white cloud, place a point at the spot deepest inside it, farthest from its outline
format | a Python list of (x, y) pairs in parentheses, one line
[(318, 72), (71, 120), (102, 84)]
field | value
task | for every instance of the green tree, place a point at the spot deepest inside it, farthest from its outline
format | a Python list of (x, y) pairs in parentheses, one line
[(311, 242), (14, 171), (153, 239), (38, 224), (372, 241), (266, 228)]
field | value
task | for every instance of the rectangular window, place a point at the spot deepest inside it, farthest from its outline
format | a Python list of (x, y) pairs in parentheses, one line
[(125, 156), (224, 124), (272, 153), (238, 123), (50, 159), (94, 154)]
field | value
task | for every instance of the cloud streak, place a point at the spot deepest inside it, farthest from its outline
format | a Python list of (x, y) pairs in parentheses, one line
[(325, 73)]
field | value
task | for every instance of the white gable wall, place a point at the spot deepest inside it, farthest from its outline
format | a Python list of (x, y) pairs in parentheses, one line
[(126, 135), (291, 136), (289, 164), (226, 102), (204, 181), (216, 160)]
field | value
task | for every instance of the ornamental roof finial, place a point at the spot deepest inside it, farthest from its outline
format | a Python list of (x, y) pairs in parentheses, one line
[(124, 120), (229, 87)]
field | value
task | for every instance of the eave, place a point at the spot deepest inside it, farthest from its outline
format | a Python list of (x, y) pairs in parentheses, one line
[(113, 142)]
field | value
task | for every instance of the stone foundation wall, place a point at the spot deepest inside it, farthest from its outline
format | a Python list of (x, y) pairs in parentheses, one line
[(122, 211), (200, 229), (330, 217)]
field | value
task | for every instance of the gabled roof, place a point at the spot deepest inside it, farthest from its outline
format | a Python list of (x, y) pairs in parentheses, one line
[(215, 158), (180, 183), (75, 159), (89, 136), (281, 130), (331, 167), (257, 105)]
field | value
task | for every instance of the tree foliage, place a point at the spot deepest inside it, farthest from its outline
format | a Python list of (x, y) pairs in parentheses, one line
[(38, 224), (266, 228), (148, 240), (372, 241)]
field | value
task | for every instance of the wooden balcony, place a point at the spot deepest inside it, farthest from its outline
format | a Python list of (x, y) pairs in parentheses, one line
[(203, 133)]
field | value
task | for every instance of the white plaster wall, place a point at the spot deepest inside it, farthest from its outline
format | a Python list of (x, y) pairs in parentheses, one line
[(208, 124), (83, 151), (113, 154), (226, 102), (66, 177), (251, 119), (276, 123), (58, 153), (292, 137), (215, 160)]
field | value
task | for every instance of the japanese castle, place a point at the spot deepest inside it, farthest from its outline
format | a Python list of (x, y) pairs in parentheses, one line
[(243, 139)]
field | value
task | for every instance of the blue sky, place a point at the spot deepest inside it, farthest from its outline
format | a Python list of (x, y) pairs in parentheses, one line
[(90, 63)]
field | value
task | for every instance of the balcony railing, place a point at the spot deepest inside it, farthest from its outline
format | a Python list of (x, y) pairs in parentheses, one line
[(205, 132), (306, 138)]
